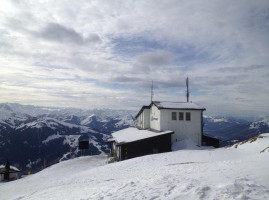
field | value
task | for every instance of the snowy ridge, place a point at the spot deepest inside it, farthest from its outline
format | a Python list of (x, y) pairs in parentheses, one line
[(266, 120), (257, 125), (52, 137), (51, 123), (225, 173), (87, 120), (50, 133), (16, 115), (9, 117), (215, 119)]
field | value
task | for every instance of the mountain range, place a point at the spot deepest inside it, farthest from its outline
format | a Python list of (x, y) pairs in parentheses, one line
[(32, 137)]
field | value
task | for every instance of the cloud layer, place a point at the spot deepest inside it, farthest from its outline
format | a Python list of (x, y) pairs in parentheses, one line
[(106, 53)]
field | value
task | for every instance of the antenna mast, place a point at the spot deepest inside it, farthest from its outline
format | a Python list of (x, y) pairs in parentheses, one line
[(187, 85), (151, 91)]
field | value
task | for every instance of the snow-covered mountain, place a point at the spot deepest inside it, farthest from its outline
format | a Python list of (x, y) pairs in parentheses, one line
[(237, 172), (30, 135), (231, 130)]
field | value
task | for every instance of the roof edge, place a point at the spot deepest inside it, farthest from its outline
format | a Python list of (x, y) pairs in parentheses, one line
[(160, 107), (141, 110), (118, 144)]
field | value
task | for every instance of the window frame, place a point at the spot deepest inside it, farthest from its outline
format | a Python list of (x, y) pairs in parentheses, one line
[(188, 116), (174, 116), (181, 116)]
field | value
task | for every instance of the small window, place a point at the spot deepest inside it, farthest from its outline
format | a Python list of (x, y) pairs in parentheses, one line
[(188, 116), (174, 116), (180, 116)]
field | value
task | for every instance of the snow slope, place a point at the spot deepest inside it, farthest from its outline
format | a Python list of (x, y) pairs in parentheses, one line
[(237, 172)]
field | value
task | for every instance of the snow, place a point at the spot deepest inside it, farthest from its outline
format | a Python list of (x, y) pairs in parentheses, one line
[(226, 173), (178, 105), (11, 167), (188, 144), (9, 117), (257, 125), (46, 121), (97, 145), (88, 120), (266, 120), (254, 125), (14, 114), (71, 140), (30, 163), (220, 120), (133, 134), (126, 121), (52, 137)]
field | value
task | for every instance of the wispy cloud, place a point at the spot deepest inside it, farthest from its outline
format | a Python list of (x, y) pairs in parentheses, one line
[(105, 53)]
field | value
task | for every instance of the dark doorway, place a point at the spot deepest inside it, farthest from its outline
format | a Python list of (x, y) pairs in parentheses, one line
[(6, 176)]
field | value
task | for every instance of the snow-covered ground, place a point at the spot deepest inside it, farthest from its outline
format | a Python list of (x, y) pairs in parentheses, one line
[(238, 172)]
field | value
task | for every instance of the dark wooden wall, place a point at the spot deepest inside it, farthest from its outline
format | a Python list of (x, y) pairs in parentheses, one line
[(210, 141), (158, 144)]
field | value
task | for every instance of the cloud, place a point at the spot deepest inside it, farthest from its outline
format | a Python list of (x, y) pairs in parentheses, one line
[(59, 33), (125, 79), (242, 69), (155, 59), (108, 52)]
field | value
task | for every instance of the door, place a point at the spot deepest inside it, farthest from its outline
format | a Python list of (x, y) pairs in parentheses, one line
[(6, 176)]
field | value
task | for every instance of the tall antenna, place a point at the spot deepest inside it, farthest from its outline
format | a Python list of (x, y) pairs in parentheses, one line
[(151, 91), (187, 85)]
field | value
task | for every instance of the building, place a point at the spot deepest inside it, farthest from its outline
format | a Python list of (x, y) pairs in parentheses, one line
[(158, 126), (132, 142), (8, 173), (185, 119)]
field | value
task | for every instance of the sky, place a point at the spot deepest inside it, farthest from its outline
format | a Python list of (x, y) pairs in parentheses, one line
[(105, 54)]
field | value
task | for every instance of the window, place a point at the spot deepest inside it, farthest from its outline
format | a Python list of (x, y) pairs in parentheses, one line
[(174, 116), (188, 116), (180, 116)]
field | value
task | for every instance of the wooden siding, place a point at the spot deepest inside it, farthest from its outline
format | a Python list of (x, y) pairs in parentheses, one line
[(210, 141), (158, 144)]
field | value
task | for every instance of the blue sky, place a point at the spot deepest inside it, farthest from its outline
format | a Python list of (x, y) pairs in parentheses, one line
[(104, 54)]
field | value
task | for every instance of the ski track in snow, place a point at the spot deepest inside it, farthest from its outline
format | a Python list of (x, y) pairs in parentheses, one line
[(238, 172)]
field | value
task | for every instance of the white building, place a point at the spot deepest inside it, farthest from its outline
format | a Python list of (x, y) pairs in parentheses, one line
[(185, 119)]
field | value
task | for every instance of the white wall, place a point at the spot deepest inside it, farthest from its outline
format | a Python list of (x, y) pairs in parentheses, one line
[(182, 129), (138, 122), (161, 120), (143, 120), (146, 116), (155, 118)]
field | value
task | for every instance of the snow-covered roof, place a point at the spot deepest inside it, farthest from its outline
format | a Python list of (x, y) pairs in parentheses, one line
[(2, 168), (177, 105), (133, 134)]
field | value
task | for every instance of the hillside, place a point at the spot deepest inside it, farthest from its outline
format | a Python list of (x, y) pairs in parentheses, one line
[(231, 130), (237, 172), (29, 134)]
